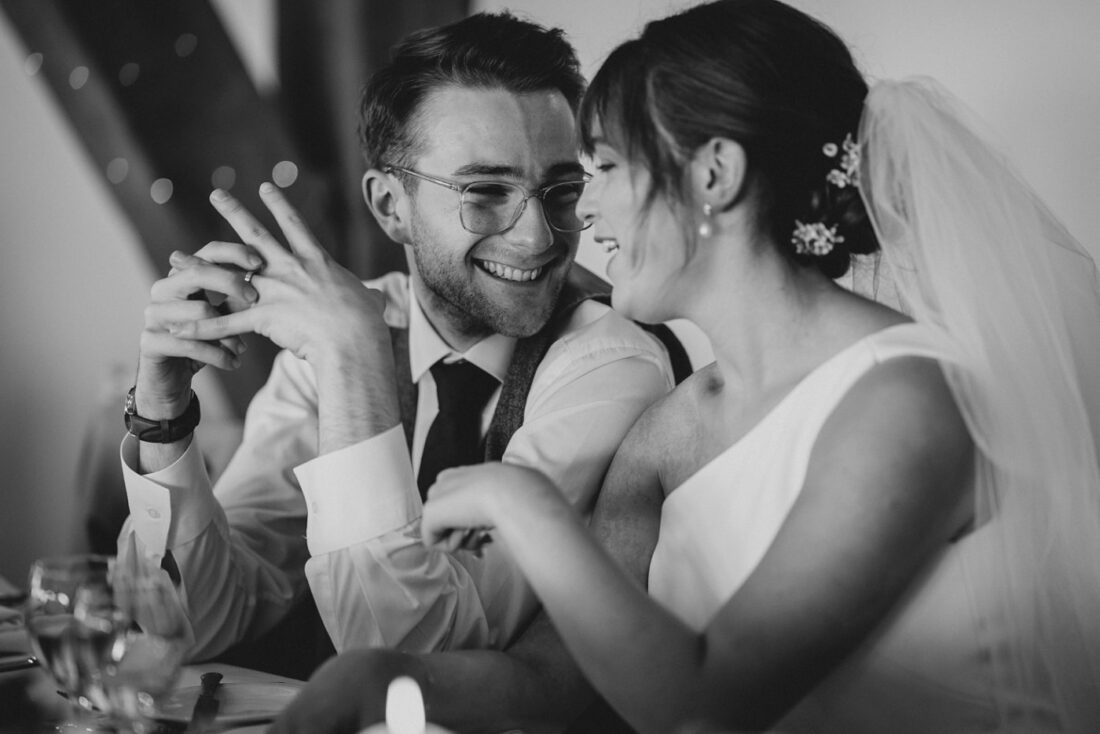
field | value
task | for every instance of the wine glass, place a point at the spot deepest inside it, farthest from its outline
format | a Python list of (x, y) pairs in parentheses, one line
[(146, 636), (51, 598)]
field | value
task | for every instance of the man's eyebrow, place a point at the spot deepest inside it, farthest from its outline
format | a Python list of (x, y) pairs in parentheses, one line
[(556, 171), (488, 169), (560, 170)]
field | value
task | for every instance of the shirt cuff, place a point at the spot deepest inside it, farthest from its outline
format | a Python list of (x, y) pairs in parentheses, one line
[(169, 507), (359, 493)]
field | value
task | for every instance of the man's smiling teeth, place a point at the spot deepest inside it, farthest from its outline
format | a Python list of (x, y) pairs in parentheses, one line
[(507, 273), (610, 245)]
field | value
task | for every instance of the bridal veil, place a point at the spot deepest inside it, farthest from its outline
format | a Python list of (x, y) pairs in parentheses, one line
[(974, 253)]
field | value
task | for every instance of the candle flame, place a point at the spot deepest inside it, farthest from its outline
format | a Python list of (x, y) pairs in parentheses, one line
[(405, 707)]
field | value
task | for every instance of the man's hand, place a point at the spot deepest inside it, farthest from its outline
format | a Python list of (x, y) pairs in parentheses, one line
[(167, 361), (312, 306), (308, 303)]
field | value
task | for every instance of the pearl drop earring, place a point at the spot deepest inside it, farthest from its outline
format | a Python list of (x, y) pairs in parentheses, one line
[(706, 227)]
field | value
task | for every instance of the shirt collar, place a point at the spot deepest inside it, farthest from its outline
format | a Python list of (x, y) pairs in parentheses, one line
[(492, 354)]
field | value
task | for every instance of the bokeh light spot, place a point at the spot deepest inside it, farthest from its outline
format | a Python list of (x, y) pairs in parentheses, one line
[(32, 63), (128, 74), (161, 190), (185, 44), (117, 170), (284, 174), (78, 77), (223, 177)]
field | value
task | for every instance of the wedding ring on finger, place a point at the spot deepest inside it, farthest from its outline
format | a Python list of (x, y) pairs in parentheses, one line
[(248, 275)]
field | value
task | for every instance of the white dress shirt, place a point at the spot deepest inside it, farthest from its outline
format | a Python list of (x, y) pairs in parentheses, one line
[(346, 521)]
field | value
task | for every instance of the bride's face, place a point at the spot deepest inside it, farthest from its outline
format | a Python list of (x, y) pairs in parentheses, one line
[(646, 240)]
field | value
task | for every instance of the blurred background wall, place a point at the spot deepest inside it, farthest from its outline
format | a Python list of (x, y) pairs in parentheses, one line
[(74, 275)]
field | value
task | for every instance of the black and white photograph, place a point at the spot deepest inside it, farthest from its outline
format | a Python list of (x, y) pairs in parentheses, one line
[(614, 367)]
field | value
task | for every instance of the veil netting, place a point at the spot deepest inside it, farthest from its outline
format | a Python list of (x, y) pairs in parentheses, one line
[(973, 253)]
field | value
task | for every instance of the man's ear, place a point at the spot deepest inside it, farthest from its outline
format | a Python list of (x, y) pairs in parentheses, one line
[(389, 203), (719, 171)]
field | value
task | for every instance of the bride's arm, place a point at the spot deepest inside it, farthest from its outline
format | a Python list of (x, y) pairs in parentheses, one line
[(537, 681), (886, 489)]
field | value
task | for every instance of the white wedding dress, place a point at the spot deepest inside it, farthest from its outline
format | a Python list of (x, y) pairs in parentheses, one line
[(928, 667), (1002, 631)]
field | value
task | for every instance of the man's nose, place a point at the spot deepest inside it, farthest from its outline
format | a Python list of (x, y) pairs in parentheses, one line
[(531, 230)]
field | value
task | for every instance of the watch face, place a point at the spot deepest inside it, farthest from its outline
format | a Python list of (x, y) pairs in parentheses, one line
[(129, 406)]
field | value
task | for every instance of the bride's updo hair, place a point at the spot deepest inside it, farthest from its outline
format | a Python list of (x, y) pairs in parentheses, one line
[(759, 72)]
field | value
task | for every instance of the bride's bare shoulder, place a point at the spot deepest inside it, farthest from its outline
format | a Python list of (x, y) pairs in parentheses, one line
[(670, 440), (672, 426)]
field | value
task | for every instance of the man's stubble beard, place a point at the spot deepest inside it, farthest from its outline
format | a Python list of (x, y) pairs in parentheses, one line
[(468, 310)]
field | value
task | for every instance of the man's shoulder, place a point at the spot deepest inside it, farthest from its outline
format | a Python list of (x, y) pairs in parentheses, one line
[(596, 333), (593, 320)]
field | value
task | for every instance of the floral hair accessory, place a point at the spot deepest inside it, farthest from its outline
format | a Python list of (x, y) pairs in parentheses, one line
[(814, 238), (817, 238), (848, 172)]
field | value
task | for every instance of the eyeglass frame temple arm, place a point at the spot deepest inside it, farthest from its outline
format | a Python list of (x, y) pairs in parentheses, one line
[(389, 168)]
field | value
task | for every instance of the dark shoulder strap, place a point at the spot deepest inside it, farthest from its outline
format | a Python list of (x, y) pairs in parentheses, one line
[(406, 389)]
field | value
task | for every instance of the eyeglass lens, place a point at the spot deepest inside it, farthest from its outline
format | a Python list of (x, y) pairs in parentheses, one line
[(492, 207)]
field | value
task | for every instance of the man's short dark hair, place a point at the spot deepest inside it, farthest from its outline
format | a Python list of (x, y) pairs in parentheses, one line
[(486, 50)]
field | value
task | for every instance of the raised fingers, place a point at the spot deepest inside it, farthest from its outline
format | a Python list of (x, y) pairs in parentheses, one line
[(248, 228), (298, 235)]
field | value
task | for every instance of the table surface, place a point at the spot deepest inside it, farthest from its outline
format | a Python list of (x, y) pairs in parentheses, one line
[(29, 697)]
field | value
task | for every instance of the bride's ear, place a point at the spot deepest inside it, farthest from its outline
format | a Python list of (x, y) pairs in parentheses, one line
[(718, 173), (388, 202)]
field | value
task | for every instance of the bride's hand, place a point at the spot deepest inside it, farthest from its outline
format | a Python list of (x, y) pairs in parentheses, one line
[(472, 497)]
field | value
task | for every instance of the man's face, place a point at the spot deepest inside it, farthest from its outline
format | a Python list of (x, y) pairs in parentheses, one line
[(472, 285)]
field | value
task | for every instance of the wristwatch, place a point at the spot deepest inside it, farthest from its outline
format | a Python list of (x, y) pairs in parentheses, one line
[(163, 431)]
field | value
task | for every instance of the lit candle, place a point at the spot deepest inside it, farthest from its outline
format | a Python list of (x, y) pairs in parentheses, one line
[(405, 711)]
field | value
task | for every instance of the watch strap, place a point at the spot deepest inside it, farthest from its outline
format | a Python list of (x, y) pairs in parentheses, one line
[(168, 430)]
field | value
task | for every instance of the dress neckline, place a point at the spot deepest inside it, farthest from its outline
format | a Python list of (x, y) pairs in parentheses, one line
[(796, 388)]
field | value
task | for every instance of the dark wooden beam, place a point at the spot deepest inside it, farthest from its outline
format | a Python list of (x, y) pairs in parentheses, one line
[(160, 100)]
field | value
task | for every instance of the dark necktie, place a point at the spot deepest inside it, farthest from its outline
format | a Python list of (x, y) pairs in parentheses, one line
[(454, 438)]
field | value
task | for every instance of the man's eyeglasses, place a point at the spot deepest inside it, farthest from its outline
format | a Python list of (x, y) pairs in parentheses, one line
[(492, 207)]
